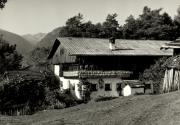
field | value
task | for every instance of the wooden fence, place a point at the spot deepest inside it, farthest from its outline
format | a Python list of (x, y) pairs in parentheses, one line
[(16, 111)]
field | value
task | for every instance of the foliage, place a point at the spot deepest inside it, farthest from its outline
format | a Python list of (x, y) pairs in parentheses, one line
[(52, 101), (154, 74), (75, 27), (2, 3), (38, 56), (130, 28), (151, 24), (177, 17), (177, 22), (67, 98), (34, 92), (9, 58), (86, 89), (111, 26)]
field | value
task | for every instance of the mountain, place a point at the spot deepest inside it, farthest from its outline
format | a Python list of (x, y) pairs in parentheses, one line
[(48, 40), (34, 38), (23, 46)]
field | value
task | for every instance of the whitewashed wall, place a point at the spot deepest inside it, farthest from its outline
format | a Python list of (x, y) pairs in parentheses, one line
[(56, 69), (67, 83), (71, 82), (102, 92)]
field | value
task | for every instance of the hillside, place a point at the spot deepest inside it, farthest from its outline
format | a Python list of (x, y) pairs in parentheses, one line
[(134, 110), (48, 40), (23, 46), (34, 38)]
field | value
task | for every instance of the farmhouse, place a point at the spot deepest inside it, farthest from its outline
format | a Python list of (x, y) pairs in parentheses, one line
[(109, 65)]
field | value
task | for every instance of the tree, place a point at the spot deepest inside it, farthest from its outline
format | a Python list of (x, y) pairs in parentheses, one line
[(29, 90), (177, 22), (130, 28), (151, 24), (177, 17), (2, 3), (111, 26), (39, 56), (88, 29), (9, 58), (73, 26)]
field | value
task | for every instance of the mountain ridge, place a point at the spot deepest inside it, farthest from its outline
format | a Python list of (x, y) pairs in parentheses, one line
[(23, 46), (49, 39), (34, 38)]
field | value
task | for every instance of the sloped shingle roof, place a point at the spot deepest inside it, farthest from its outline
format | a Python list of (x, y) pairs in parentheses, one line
[(95, 46), (173, 62)]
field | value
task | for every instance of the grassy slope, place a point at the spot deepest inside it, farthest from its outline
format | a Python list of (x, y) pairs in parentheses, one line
[(135, 110)]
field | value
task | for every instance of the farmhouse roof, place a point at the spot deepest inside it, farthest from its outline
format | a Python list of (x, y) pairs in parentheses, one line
[(66, 49), (95, 46), (172, 45)]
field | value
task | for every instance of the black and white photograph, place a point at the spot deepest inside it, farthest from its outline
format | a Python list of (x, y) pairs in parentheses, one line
[(89, 62)]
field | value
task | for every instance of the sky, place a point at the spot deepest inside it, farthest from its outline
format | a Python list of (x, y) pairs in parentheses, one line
[(34, 16)]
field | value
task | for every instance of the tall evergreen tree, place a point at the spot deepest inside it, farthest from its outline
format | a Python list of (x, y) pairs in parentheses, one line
[(111, 26), (73, 26), (130, 28), (177, 22), (150, 25)]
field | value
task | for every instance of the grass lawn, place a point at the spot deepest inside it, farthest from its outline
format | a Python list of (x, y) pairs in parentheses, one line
[(134, 110)]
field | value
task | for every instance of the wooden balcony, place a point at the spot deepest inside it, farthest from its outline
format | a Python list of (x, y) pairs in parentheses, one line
[(97, 73), (71, 73)]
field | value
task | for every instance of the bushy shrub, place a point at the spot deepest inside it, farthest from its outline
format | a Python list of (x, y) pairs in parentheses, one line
[(36, 92), (67, 98), (155, 74), (51, 101)]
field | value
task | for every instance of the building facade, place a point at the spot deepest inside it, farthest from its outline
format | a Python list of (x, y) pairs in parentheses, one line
[(109, 65)]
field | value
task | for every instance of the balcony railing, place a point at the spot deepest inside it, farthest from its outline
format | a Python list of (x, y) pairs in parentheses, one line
[(97, 73)]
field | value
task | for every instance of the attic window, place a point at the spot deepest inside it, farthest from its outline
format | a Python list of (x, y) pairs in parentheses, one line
[(62, 51)]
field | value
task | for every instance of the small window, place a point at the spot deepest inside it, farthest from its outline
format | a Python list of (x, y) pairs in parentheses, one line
[(118, 87), (148, 86), (93, 87), (108, 87)]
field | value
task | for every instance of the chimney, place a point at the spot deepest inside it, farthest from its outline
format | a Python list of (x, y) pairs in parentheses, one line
[(112, 43)]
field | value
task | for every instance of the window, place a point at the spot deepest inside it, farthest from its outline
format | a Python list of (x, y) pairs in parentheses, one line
[(93, 87), (108, 87), (118, 87), (148, 86)]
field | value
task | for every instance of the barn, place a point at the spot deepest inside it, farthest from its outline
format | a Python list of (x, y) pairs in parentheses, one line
[(171, 80), (109, 65)]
